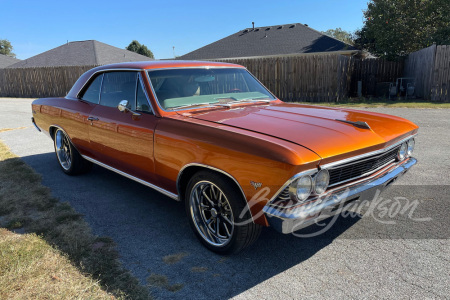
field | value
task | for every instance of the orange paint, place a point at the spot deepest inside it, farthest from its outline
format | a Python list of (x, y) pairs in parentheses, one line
[(265, 143)]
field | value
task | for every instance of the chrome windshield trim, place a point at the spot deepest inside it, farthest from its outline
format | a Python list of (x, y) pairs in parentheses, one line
[(351, 159), (157, 188), (199, 67), (214, 169)]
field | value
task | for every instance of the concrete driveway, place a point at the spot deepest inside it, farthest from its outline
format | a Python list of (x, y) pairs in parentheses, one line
[(389, 253)]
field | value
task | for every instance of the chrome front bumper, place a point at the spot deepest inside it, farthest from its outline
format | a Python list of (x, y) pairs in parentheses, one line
[(288, 220)]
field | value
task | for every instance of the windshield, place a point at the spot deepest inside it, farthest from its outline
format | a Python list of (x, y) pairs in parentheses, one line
[(185, 88)]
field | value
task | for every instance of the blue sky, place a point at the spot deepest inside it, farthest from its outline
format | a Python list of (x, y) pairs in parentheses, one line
[(37, 26)]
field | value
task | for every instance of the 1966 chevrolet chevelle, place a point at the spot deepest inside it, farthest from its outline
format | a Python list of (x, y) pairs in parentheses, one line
[(210, 135)]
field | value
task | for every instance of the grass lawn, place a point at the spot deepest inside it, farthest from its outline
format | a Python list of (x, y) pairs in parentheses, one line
[(381, 103), (47, 250)]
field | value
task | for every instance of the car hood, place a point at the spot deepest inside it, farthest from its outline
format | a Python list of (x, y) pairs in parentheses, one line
[(315, 127)]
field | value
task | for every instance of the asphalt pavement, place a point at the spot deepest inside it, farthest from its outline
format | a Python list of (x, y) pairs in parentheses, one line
[(398, 249)]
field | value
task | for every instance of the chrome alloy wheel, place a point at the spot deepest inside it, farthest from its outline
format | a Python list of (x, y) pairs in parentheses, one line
[(211, 213), (63, 150)]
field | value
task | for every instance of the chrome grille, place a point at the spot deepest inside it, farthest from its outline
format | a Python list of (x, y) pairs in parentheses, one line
[(355, 169)]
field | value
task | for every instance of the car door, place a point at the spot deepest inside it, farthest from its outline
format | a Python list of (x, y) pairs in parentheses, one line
[(123, 140)]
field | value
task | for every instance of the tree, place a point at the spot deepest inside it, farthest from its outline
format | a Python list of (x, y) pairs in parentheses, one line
[(395, 28), (339, 34), (135, 46), (6, 48)]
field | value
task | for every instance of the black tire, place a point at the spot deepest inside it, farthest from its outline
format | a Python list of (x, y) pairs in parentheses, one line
[(219, 235), (69, 159)]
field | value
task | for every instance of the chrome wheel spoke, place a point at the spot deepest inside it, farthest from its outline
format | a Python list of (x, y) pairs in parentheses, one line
[(207, 198), (211, 213), (225, 218), (217, 227), (227, 230), (63, 151)]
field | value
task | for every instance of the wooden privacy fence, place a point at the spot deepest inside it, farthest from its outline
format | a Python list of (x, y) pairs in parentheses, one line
[(373, 71), (320, 78), (440, 89), (316, 78), (39, 82), (430, 68)]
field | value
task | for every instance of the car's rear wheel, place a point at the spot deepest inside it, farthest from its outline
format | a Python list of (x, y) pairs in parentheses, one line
[(69, 159), (215, 212)]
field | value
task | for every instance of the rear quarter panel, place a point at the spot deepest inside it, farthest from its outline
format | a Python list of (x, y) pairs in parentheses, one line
[(69, 115)]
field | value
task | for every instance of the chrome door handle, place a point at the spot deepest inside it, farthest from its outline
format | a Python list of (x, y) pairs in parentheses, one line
[(92, 119)]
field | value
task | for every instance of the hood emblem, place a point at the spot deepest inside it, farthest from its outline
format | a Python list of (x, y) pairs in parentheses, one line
[(358, 124)]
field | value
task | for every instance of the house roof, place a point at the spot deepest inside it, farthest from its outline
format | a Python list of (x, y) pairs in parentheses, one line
[(82, 53), (7, 61), (270, 40)]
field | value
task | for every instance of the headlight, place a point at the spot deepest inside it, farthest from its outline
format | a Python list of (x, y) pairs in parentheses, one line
[(321, 181), (303, 188), (411, 144), (402, 151)]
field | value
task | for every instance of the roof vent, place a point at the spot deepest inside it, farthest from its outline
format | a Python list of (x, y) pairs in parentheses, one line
[(306, 25), (246, 30), (292, 26), (268, 28), (257, 29), (280, 27)]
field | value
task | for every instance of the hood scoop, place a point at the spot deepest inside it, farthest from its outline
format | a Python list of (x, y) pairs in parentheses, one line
[(358, 124)]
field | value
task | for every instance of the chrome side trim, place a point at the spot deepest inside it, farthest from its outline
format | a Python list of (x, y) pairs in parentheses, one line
[(350, 159), (214, 169), (157, 188)]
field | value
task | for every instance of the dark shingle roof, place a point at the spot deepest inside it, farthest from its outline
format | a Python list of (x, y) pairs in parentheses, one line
[(82, 53), (269, 40), (7, 61)]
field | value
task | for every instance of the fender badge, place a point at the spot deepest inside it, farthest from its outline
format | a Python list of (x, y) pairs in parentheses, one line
[(256, 185)]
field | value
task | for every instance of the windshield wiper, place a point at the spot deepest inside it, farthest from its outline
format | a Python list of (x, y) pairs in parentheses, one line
[(245, 100), (191, 105)]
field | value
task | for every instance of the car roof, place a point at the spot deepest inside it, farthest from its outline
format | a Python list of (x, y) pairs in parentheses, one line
[(163, 64)]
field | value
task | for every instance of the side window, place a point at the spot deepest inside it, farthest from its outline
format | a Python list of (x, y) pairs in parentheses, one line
[(92, 94), (118, 86), (141, 99)]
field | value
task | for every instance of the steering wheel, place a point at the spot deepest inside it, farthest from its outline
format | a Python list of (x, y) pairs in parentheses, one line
[(234, 91)]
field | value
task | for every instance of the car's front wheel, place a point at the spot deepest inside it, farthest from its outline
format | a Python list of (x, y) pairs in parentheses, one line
[(218, 213), (70, 161)]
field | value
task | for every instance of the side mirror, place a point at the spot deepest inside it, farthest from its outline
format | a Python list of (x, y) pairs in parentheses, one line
[(123, 107)]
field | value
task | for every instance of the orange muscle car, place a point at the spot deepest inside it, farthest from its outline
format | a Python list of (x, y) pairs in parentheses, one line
[(213, 137)]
